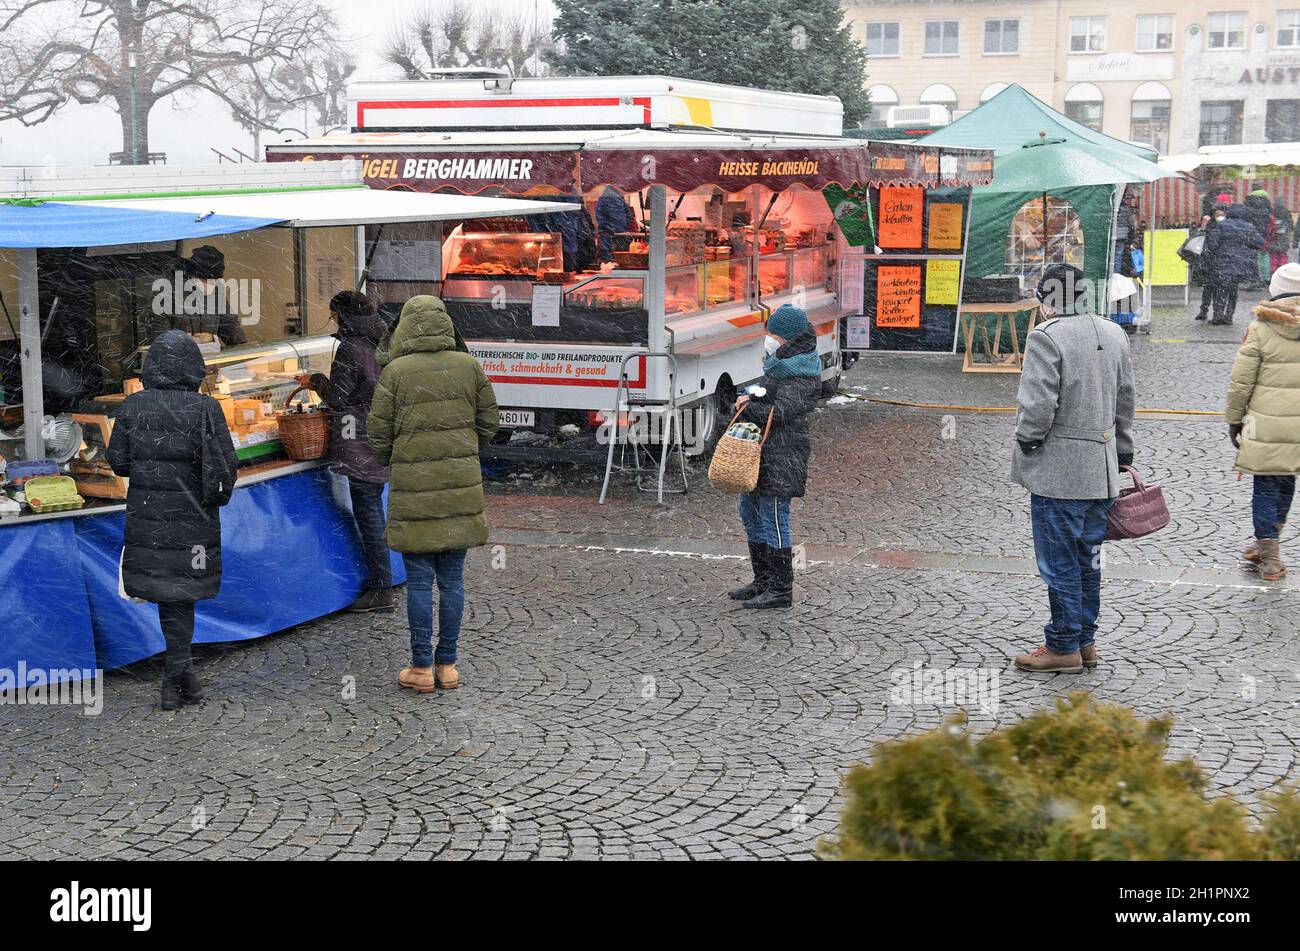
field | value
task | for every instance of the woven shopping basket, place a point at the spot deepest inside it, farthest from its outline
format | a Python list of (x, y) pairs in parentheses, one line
[(304, 435), (735, 462)]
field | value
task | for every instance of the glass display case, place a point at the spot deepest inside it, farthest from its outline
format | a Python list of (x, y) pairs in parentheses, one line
[(698, 287), (503, 254), (252, 383), (811, 267), (604, 292), (773, 274)]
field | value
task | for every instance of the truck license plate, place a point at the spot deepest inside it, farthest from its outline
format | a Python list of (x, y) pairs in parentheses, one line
[(517, 418)]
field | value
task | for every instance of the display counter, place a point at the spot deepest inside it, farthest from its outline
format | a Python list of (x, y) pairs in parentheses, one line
[(290, 554)]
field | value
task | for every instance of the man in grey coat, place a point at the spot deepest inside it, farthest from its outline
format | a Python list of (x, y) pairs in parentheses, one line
[(1074, 429)]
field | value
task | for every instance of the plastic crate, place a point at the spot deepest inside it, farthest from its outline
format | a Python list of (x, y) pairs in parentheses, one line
[(52, 494)]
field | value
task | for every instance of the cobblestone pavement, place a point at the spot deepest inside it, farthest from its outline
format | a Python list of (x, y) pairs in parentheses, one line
[(616, 706)]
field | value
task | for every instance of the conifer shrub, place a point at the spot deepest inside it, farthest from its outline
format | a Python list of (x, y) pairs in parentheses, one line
[(1081, 781)]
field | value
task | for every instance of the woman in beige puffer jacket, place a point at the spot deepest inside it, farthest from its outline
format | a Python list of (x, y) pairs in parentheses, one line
[(1263, 414)]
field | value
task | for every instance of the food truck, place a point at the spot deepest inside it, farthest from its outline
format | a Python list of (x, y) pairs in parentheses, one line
[(700, 209), (94, 263)]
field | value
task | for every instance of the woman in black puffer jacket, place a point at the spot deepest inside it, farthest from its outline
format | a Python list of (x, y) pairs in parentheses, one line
[(791, 384), (172, 443)]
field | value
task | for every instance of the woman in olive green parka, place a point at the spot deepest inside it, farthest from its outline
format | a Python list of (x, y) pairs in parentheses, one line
[(1263, 414), (433, 411)]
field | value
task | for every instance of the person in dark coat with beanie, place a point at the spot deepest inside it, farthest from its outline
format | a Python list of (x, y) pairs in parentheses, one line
[(171, 441), (348, 391), (1229, 259), (787, 393)]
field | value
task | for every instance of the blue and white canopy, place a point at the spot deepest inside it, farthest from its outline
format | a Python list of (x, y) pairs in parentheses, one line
[(76, 225)]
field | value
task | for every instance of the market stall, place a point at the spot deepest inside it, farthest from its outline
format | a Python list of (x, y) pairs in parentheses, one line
[(87, 279), (700, 208)]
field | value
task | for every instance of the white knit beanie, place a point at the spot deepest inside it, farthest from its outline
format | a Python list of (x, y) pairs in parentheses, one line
[(1286, 280)]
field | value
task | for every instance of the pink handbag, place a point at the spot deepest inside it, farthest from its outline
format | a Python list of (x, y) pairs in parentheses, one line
[(1139, 510)]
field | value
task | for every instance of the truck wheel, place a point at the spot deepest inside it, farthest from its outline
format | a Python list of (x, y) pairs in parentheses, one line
[(714, 413), (831, 387)]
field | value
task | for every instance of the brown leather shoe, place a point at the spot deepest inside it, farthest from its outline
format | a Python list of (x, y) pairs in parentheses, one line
[(1251, 554), (1270, 560), (447, 676), (419, 679), (1089, 656), (1041, 660)]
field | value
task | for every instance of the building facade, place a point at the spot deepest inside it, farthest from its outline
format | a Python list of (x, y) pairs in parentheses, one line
[(1176, 75)]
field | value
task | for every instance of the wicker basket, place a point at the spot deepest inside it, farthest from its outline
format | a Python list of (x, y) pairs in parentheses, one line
[(734, 468), (305, 436)]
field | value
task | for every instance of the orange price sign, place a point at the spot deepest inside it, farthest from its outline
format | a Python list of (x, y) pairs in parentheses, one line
[(902, 216), (898, 296)]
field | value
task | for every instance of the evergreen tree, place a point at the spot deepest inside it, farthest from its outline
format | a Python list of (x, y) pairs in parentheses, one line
[(791, 45)]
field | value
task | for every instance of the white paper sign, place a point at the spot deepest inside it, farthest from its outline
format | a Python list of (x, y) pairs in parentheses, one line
[(546, 304), (859, 333)]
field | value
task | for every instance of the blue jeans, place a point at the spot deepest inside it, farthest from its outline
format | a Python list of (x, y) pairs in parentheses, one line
[(368, 512), (447, 568), (1270, 503), (1067, 544), (766, 519)]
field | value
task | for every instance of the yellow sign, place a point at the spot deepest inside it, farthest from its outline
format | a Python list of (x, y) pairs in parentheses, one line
[(1162, 265), (942, 282), (945, 226)]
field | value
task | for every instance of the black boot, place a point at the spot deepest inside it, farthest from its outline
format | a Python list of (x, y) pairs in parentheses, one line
[(171, 694), (757, 559), (191, 689), (780, 591)]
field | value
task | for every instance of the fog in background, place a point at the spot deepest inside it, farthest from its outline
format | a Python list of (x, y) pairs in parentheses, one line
[(188, 126)]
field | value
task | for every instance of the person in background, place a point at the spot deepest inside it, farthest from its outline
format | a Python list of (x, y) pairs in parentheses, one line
[(1263, 414), (348, 391), (1283, 235), (1259, 211), (1203, 273), (1229, 259), (433, 412), (613, 216), (1125, 233), (171, 441), (1074, 429), (206, 266), (791, 383)]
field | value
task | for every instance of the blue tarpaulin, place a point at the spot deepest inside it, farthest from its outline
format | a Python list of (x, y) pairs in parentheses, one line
[(290, 553), (56, 225)]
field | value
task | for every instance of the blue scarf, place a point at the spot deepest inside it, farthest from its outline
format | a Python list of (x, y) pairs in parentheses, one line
[(800, 364)]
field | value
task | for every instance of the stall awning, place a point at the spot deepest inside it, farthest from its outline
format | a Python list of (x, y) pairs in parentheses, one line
[(353, 206), (71, 225)]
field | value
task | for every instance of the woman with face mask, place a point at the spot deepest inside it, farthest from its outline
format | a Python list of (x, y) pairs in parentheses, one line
[(786, 394)]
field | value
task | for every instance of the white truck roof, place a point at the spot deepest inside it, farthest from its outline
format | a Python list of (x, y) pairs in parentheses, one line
[(587, 102)]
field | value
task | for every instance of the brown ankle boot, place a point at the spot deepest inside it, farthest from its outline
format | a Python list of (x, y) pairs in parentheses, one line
[(447, 676), (1042, 660), (1089, 656), (419, 679), (1251, 554), (1270, 560)]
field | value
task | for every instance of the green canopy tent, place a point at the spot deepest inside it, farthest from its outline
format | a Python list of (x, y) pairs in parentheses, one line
[(1004, 123)]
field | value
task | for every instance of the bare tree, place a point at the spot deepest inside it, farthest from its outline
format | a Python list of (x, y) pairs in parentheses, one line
[(271, 97), (136, 53), (450, 33)]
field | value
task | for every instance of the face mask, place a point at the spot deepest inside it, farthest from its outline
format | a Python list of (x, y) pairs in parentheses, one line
[(1218, 217), (771, 345)]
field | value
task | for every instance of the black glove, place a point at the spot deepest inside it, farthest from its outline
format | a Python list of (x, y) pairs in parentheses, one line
[(1234, 434), (1029, 447), (1125, 459)]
